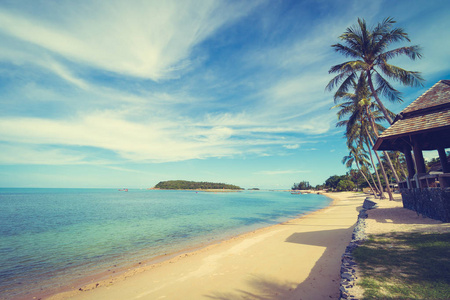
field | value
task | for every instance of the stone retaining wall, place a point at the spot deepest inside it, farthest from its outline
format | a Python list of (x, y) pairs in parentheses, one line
[(348, 272), (433, 203)]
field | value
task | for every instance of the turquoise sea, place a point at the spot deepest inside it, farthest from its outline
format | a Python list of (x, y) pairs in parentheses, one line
[(51, 238)]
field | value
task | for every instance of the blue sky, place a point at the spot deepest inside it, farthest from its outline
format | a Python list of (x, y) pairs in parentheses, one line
[(130, 93)]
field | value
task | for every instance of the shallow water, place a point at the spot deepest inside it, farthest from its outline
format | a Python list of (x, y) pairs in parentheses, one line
[(51, 237)]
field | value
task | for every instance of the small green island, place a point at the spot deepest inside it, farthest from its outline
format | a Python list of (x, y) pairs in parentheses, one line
[(193, 185)]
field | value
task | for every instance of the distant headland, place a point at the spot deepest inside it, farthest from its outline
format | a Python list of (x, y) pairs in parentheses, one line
[(193, 185)]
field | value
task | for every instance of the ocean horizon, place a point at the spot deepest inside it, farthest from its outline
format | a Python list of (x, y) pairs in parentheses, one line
[(51, 238)]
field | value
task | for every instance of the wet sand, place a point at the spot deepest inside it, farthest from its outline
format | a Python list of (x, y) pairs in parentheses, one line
[(298, 259)]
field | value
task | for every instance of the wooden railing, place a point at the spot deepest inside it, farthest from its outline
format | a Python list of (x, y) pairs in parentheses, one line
[(427, 181)]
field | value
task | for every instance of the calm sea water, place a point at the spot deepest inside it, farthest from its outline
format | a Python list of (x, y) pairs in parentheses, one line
[(52, 237)]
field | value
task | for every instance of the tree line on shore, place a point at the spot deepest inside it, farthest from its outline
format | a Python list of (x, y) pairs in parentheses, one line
[(193, 185), (354, 179)]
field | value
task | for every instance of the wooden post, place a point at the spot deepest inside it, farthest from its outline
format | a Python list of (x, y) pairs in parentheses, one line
[(409, 165), (418, 156), (420, 162), (443, 158), (409, 162)]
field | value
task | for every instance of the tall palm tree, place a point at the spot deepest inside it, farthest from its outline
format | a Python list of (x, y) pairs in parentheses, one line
[(369, 49), (355, 132), (376, 129), (358, 133), (361, 122)]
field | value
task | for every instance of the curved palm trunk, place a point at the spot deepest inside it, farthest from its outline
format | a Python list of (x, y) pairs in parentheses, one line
[(392, 167), (383, 172), (375, 95), (373, 181), (380, 186), (402, 169), (388, 188), (368, 182), (372, 121)]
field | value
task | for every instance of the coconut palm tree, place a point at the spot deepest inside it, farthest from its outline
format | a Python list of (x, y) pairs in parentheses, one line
[(361, 123), (376, 128), (358, 133), (369, 49)]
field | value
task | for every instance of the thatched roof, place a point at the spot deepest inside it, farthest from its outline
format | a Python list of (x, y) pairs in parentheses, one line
[(426, 119)]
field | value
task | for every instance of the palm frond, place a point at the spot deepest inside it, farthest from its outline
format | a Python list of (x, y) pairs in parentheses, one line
[(336, 81), (386, 89), (378, 115), (346, 51), (345, 86), (384, 26), (348, 67), (341, 123), (344, 97), (409, 78), (412, 52)]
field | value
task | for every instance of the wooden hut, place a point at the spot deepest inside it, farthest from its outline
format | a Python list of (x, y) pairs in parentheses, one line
[(423, 125)]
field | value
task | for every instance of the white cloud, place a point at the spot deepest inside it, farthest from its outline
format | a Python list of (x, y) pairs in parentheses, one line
[(145, 136), (19, 153), (157, 141), (150, 39)]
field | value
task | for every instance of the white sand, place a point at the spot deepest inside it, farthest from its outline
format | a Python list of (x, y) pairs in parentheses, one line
[(299, 259)]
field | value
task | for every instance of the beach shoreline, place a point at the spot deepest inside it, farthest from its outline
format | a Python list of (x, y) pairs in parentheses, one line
[(90, 288), (117, 272)]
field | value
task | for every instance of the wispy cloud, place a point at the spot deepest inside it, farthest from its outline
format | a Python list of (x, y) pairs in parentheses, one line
[(171, 122), (156, 141), (121, 36), (295, 146), (18, 154), (280, 172)]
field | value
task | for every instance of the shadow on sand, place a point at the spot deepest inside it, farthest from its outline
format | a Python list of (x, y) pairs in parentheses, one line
[(322, 278), (398, 215)]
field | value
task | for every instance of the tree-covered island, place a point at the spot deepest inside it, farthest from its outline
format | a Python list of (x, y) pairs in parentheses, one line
[(193, 185)]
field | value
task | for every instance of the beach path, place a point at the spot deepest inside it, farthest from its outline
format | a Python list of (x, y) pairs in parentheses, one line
[(299, 259)]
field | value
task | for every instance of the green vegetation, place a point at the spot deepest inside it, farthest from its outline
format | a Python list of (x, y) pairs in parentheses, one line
[(405, 266), (348, 182), (192, 185), (303, 185), (362, 177), (345, 185)]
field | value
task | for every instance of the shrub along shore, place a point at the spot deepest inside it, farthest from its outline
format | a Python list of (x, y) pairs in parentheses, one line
[(193, 185)]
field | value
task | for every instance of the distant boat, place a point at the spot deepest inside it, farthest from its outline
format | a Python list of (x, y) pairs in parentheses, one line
[(123, 190)]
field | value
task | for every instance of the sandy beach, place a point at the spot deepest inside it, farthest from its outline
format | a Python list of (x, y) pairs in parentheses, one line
[(390, 216), (299, 259)]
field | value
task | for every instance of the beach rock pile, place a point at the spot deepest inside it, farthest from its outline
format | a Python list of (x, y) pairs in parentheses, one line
[(348, 271)]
